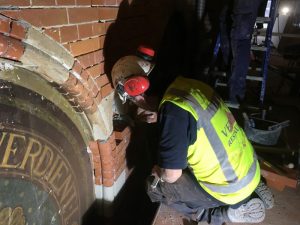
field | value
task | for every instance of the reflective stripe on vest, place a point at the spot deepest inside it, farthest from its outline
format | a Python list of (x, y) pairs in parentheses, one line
[(219, 150)]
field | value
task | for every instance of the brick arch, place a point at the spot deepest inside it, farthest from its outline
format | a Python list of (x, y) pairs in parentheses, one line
[(23, 45)]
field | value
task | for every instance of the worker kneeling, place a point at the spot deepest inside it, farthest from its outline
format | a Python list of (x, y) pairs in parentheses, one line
[(207, 168)]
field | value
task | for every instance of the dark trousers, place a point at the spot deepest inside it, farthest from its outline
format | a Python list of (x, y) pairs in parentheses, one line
[(236, 27), (186, 196)]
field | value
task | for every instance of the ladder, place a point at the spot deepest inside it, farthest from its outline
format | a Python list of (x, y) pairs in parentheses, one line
[(265, 48)]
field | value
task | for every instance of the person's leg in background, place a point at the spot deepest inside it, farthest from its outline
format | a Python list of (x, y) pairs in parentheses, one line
[(225, 24), (243, 19)]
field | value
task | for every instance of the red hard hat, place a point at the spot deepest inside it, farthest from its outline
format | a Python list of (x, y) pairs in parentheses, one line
[(146, 50), (136, 85)]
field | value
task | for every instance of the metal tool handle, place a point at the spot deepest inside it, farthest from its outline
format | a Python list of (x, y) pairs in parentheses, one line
[(155, 182)]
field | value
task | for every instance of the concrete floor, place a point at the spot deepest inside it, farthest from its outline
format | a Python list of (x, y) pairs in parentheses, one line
[(285, 212)]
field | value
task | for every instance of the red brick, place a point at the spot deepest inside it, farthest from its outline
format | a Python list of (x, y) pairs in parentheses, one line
[(96, 158), (112, 140), (18, 30), (85, 76), (98, 172), (85, 30), (98, 181), (68, 34), (91, 109), (77, 67), (15, 2), (76, 89), (93, 145), (94, 91), (98, 55), (95, 71), (121, 132), (108, 174), (4, 44), (83, 2), (108, 182), (53, 33), (101, 41), (90, 82), (46, 17), (108, 13), (97, 165), (106, 90), (98, 97), (98, 28), (83, 95), (83, 47), (65, 2), (111, 2), (67, 46), (43, 3), (71, 81), (86, 103), (80, 15), (98, 2), (102, 80), (87, 60), (15, 49), (4, 24)]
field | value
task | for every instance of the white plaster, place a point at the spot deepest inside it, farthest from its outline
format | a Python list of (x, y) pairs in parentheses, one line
[(6, 66), (119, 183), (98, 191)]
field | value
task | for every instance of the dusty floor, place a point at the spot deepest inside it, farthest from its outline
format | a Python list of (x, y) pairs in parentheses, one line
[(285, 212)]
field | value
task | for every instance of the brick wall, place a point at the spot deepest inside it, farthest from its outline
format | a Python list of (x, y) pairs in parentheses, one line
[(96, 33)]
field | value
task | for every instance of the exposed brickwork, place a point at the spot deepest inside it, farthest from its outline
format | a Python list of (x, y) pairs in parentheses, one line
[(15, 3), (109, 157), (11, 48), (40, 17), (96, 163), (96, 33), (4, 24), (85, 46), (106, 90)]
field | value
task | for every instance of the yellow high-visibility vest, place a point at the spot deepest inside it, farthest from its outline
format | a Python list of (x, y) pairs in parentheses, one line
[(222, 159)]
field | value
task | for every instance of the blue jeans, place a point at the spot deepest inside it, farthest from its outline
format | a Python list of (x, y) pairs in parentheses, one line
[(237, 21), (186, 196)]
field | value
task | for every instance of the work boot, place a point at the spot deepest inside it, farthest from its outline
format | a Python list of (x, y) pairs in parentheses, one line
[(251, 212), (265, 194)]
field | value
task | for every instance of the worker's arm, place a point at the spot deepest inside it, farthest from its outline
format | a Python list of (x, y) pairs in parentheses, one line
[(171, 175), (167, 175)]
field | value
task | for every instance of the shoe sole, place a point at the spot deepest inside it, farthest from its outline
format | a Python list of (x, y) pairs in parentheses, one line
[(265, 194), (251, 212)]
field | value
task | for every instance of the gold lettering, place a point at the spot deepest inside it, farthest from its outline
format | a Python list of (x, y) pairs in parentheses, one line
[(29, 154), (65, 188), (44, 162), (2, 138), (9, 149), (48, 175), (57, 173), (68, 206)]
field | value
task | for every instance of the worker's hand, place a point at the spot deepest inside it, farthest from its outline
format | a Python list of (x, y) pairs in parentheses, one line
[(156, 171), (146, 116)]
